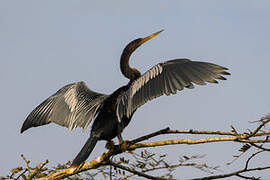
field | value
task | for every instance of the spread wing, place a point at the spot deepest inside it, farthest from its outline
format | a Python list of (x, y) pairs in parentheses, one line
[(72, 106), (167, 78)]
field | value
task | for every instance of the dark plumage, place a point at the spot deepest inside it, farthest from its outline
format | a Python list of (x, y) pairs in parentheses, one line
[(75, 105)]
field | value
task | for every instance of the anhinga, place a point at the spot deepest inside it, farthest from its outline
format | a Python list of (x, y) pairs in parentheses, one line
[(75, 105)]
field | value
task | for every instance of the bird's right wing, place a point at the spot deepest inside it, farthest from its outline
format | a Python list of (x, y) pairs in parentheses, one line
[(167, 78), (72, 106)]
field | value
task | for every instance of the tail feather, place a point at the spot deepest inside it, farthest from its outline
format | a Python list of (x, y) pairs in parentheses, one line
[(85, 151)]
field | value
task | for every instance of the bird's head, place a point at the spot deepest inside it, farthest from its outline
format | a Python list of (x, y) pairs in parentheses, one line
[(133, 45), (132, 73)]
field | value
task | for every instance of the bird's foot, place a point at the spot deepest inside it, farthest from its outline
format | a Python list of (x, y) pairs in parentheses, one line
[(109, 145), (125, 144)]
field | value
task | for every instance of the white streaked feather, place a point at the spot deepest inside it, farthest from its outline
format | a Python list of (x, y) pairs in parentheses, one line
[(72, 106), (139, 83), (167, 78), (71, 98)]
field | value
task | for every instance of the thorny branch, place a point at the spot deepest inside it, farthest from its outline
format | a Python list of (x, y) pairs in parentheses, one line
[(256, 139)]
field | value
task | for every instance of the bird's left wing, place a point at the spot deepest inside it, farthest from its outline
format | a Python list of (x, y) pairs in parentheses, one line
[(74, 105), (167, 78)]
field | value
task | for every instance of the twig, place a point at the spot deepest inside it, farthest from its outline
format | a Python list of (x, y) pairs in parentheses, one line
[(259, 147), (136, 172), (37, 169), (246, 177), (25, 170), (162, 131), (252, 156), (191, 131), (267, 119), (26, 162), (232, 174)]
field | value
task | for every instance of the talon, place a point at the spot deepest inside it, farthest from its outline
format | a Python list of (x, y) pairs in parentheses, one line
[(125, 144), (109, 145)]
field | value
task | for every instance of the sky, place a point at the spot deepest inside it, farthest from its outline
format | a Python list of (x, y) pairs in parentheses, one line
[(48, 44)]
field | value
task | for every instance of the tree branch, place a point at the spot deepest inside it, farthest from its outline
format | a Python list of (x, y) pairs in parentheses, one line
[(162, 131), (37, 170), (235, 173), (197, 141), (103, 159), (238, 173)]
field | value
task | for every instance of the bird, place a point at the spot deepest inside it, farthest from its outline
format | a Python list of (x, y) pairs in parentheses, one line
[(75, 105)]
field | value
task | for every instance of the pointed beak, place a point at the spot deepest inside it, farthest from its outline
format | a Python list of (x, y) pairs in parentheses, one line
[(149, 37)]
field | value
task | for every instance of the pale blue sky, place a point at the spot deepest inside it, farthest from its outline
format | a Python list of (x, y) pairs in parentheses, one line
[(48, 44)]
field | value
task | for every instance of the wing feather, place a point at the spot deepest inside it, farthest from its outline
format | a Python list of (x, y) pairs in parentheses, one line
[(72, 106), (167, 78)]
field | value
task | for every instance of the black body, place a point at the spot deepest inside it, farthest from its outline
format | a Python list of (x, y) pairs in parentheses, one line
[(105, 126)]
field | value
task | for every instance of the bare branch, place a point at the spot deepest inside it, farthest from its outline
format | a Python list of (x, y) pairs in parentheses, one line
[(264, 121), (37, 169), (235, 173), (190, 141), (234, 136), (26, 162), (252, 156), (136, 172), (259, 147), (162, 131), (191, 131)]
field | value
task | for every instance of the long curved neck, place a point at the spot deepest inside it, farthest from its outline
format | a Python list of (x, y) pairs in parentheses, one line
[(127, 71)]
